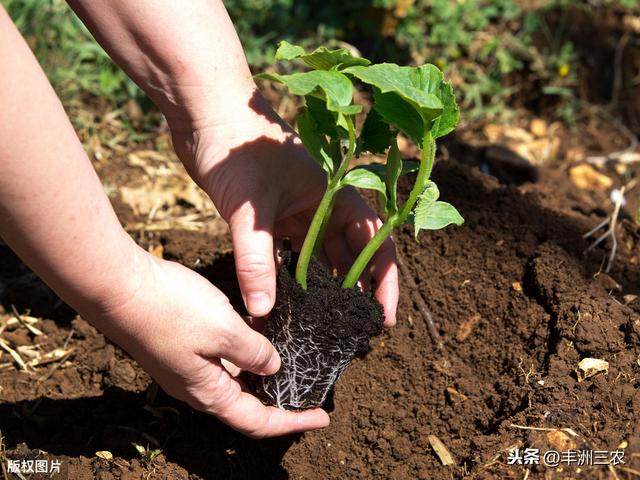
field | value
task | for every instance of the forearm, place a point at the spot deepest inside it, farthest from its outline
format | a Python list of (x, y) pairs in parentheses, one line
[(53, 211), (185, 55)]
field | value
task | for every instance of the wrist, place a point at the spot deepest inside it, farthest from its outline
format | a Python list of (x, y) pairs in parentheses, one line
[(229, 133), (114, 278)]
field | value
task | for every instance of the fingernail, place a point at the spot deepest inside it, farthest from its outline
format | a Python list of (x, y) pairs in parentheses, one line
[(258, 303)]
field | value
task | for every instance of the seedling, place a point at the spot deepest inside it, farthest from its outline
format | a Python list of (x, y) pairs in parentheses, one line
[(145, 452), (413, 100), (318, 331)]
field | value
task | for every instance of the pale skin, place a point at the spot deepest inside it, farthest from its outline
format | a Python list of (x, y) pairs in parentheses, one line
[(55, 215)]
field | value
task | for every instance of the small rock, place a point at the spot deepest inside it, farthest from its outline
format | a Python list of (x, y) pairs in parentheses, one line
[(18, 337), (607, 282)]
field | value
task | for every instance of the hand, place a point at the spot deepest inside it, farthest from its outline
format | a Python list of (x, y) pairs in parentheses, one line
[(266, 186), (183, 331)]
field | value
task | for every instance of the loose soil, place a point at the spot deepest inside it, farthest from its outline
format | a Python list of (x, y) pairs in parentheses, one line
[(516, 306)]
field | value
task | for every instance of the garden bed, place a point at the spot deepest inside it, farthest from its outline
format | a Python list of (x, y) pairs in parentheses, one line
[(516, 306)]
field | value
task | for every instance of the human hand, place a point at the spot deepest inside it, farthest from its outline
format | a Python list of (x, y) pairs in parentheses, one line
[(185, 334), (266, 186)]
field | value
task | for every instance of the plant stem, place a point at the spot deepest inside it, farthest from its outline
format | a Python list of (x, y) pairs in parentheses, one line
[(317, 229), (367, 253)]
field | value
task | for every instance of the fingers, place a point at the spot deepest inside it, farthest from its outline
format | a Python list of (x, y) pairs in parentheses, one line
[(255, 264), (385, 271), (219, 394), (249, 416), (256, 420), (238, 343)]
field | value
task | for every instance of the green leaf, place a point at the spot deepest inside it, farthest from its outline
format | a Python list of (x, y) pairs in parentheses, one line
[(287, 51), (334, 87), (380, 169), (441, 215), (376, 135), (363, 178), (320, 59), (314, 141), (432, 214), (401, 114), (139, 448), (325, 120), (414, 99), (394, 170), (446, 122), (416, 86)]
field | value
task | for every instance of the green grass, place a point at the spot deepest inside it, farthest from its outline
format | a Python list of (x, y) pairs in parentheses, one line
[(69, 55)]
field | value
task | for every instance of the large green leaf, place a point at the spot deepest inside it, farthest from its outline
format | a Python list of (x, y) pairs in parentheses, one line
[(334, 87), (320, 59), (417, 86), (432, 214), (376, 135), (414, 99)]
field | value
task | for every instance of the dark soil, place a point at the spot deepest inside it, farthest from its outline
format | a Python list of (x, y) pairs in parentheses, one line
[(516, 304), (317, 332)]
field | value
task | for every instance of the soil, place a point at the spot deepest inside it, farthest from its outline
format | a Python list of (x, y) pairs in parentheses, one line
[(317, 332), (516, 305)]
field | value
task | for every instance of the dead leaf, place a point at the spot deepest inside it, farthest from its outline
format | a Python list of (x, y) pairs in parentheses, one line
[(143, 200), (575, 154), (105, 454), (589, 367), (455, 396), (538, 127), (464, 330), (441, 450), (586, 177), (52, 356), (560, 441)]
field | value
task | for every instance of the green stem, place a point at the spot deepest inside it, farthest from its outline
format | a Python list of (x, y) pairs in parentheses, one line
[(367, 253), (323, 229), (424, 173), (317, 229)]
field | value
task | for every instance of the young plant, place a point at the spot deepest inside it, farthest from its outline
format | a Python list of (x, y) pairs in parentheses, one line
[(413, 100), (318, 331)]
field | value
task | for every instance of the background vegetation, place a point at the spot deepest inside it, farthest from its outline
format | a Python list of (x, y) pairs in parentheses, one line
[(494, 50)]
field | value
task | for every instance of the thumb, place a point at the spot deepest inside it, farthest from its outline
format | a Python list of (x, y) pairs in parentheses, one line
[(255, 264)]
